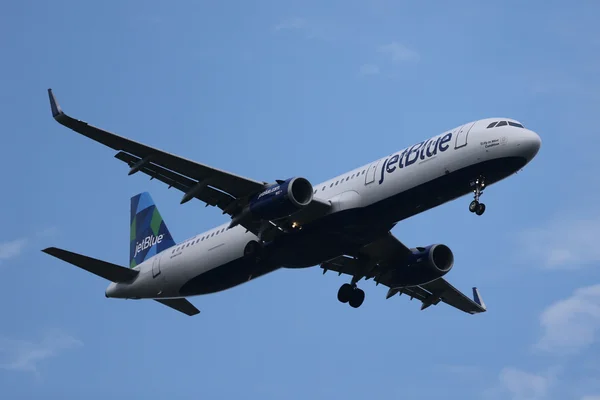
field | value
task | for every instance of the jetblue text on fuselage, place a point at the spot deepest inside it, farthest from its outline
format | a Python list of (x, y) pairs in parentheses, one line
[(147, 242), (418, 152)]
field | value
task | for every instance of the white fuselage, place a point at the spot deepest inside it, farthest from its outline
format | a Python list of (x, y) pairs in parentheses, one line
[(450, 158)]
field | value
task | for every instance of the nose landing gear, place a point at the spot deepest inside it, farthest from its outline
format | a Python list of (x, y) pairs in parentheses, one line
[(351, 294), (475, 206)]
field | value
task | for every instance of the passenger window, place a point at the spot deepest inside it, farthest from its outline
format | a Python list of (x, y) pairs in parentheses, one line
[(323, 188), (501, 123), (363, 172), (492, 125), (515, 124), (347, 178), (213, 234)]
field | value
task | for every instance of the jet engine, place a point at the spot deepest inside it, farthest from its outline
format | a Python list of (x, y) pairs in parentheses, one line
[(281, 199), (425, 264)]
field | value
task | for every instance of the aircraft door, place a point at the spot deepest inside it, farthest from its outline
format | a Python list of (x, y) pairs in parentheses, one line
[(370, 174), (462, 134), (156, 266)]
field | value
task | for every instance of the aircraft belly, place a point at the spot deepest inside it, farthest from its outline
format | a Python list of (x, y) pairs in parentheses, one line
[(226, 276), (341, 232)]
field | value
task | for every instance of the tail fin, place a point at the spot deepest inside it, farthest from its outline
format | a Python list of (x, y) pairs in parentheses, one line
[(149, 234)]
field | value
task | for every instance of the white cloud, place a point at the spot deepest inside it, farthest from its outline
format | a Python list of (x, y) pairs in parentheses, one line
[(570, 325), (522, 385), (369, 69), (398, 52), (12, 248), (22, 355), (567, 243)]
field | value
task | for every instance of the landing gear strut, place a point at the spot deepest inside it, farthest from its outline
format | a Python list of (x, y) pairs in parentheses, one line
[(351, 294), (475, 206)]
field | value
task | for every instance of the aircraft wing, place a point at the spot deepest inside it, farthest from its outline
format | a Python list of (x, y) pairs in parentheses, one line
[(373, 261), (213, 186)]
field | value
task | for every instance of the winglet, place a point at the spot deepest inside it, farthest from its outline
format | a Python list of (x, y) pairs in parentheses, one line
[(477, 298), (56, 111)]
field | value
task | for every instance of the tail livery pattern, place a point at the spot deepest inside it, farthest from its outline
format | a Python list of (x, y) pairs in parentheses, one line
[(149, 234)]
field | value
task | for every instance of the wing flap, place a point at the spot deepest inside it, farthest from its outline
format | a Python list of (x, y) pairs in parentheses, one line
[(233, 184), (454, 297), (181, 305), (208, 194), (343, 265), (103, 269), (380, 256)]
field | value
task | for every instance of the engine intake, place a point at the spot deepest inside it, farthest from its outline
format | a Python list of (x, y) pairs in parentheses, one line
[(426, 264), (282, 199), (439, 257)]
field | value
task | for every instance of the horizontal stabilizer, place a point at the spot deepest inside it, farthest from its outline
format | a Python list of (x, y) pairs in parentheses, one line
[(103, 269), (181, 305)]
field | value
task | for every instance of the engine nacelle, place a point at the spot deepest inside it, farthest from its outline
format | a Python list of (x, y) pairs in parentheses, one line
[(425, 265), (281, 200)]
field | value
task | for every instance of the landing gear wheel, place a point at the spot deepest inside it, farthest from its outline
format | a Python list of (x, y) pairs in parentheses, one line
[(358, 296), (345, 293), (480, 209), (474, 206)]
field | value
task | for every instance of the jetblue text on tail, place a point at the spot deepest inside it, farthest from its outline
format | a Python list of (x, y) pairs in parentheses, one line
[(148, 241)]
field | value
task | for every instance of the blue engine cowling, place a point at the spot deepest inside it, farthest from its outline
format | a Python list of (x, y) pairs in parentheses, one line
[(281, 200), (424, 265)]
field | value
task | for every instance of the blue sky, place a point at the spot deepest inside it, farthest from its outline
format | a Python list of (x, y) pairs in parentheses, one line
[(270, 90)]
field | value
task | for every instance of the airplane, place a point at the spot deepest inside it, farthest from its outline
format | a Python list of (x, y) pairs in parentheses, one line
[(343, 224)]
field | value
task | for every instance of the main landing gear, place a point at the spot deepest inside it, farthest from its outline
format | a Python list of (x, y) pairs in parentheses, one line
[(475, 206), (351, 294)]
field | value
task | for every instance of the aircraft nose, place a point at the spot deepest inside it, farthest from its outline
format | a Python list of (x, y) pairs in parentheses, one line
[(530, 144)]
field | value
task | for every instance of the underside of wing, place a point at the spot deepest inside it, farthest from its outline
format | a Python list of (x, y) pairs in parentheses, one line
[(231, 193), (440, 290), (235, 185), (207, 194), (379, 260)]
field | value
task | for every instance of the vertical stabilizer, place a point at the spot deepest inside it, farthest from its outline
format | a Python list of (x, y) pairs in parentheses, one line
[(148, 233)]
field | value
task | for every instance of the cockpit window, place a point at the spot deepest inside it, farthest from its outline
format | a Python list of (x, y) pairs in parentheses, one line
[(502, 123), (493, 124), (515, 124)]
